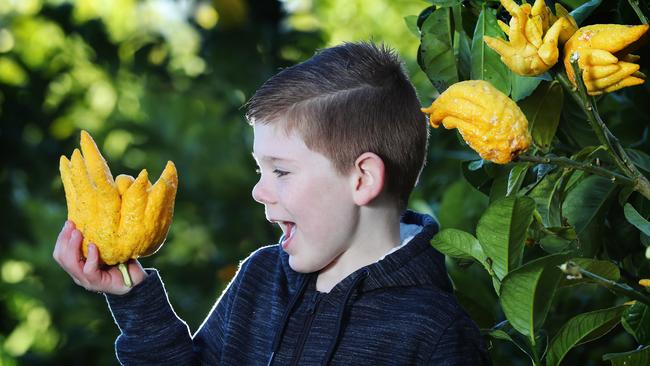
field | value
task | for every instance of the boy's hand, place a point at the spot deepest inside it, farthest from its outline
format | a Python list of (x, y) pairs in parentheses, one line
[(87, 272)]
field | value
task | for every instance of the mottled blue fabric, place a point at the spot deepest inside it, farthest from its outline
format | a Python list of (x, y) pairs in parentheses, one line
[(398, 311)]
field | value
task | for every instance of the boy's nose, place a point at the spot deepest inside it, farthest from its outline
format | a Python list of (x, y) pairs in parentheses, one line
[(262, 194)]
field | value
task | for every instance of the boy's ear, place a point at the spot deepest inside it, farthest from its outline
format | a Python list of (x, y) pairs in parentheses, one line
[(368, 178)]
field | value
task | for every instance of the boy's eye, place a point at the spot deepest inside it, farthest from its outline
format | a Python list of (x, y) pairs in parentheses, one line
[(280, 173)]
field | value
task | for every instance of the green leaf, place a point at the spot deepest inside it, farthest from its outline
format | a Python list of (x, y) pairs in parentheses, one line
[(436, 55), (502, 230), (499, 334), (639, 158), (625, 194), (636, 321), (463, 55), (462, 47), (458, 244), (461, 206), (583, 11), (424, 14), (445, 2), (523, 343), (486, 63), (554, 244), (516, 178), (476, 165), (636, 357), (602, 268), (522, 86), (500, 184), (547, 198), (478, 310), (527, 293), (635, 218), (581, 329), (575, 127), (412, 24), (477, 178), (543, 110), (585, 207)]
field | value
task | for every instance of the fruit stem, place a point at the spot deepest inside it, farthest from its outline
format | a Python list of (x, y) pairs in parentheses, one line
[(574, 271), (124, 269), (572, 164), (579, 93), (635, 5)]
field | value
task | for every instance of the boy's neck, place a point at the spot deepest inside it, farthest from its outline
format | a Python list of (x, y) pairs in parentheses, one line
[(378, 233)]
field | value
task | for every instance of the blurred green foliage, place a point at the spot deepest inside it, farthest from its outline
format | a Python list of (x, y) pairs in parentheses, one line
[(158, 80), (152, 81)]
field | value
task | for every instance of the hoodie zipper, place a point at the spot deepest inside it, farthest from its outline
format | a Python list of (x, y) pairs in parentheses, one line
[(313, 306)]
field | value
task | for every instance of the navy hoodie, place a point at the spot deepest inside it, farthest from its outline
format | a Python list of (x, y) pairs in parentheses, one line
[(398, 311)]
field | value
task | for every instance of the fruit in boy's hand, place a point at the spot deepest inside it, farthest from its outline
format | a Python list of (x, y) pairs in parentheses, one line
[(533, 35), (126, 218), (490, 122), (604, 56)]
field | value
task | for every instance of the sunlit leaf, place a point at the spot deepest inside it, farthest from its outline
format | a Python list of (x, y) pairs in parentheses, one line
[(581, 329), (516, 178), (502, 230), (11, 73), (412, 24), (436, 52), (486, 63), (458, 244), (522, 86), (527, 293)]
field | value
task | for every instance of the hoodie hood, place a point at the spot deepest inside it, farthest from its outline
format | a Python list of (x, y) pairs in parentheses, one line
[(417, 263)]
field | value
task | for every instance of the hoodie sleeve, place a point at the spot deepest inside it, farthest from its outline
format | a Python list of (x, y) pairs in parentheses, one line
[(151, 332), (460, 344)]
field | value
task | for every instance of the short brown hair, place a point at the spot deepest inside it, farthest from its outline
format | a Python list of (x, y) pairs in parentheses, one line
[(347, 100)]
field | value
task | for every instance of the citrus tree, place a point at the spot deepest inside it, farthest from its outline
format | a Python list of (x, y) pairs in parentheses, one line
[(561, 238)]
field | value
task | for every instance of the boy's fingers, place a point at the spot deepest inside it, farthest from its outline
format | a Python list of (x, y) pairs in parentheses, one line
[(90, 268), (70, 257), (64, 235), (64, 230)]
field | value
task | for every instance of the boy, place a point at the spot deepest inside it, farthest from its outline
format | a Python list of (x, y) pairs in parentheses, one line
[(340, 142)]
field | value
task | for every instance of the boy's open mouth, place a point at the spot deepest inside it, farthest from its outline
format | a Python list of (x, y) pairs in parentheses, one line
[(288, 228)]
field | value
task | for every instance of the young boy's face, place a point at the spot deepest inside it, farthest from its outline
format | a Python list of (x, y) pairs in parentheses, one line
[(303, 193)]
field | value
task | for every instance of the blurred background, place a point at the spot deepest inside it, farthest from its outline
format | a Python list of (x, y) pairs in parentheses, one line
[(158, 80)]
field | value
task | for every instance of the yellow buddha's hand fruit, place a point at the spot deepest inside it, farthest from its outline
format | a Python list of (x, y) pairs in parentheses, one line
[(604, 57), (126, 218), (490, 122), (533, 35)]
